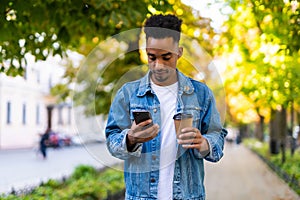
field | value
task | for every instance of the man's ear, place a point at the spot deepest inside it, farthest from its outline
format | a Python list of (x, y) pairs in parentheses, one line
[(180, 52)]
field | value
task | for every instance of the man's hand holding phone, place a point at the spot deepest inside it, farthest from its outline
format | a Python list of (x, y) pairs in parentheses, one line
[(142, 129)]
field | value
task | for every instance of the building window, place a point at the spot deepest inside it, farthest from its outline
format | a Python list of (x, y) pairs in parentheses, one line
[(60, 120), (69, 115), (8, 116), (50, 82), (25, 72), (24, 114), (37, 119)]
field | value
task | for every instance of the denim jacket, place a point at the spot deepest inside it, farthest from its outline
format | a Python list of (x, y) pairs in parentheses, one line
[(141, 167)]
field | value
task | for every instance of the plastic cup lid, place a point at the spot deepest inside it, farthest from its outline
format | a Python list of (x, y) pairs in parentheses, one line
[(181, 116)]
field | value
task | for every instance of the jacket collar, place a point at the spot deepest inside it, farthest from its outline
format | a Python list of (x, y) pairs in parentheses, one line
[(184, 84)]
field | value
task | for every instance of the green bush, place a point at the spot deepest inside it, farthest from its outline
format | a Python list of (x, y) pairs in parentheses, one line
[(83, 170), (85, 183)]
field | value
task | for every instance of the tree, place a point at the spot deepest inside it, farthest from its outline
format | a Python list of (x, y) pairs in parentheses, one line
[(51, 27), (44, 28), (264, 57)]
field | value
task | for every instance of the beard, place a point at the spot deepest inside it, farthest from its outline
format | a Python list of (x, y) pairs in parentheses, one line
[(161, 75)]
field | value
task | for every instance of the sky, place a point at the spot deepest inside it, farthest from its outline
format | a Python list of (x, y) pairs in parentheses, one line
[(214, 9), (217, 11)]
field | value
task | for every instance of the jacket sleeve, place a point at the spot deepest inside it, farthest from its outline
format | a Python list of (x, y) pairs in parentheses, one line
[(212, 130), (118, 125)]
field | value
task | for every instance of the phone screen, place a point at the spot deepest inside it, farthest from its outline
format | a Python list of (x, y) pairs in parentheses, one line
[(140, 116)]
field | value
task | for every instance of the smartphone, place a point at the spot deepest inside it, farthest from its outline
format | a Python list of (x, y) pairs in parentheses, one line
[(140, 116)]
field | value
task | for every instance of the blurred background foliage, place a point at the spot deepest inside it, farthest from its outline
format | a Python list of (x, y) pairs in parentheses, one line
[(260, 42), (47, 28)]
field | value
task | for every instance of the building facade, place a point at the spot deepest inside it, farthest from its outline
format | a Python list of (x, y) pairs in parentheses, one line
[(25, 103)]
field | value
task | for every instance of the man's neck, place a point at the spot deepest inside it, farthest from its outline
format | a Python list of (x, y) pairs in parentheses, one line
[(164, 83)]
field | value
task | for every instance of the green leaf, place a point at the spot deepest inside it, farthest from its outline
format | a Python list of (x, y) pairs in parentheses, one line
[(64, 35)]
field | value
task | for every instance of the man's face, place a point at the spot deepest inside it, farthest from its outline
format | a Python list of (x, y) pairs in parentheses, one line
[(162, 59)]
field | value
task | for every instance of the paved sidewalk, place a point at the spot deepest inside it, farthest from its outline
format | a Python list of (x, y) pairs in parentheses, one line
[(241, 175), (23, 169)]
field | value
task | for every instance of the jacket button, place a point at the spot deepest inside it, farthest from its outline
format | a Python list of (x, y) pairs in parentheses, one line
[(154, 110), (153, 157), (186, 88), (152, 180)]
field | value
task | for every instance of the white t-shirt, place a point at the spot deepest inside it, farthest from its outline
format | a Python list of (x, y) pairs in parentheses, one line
[(167, 96)]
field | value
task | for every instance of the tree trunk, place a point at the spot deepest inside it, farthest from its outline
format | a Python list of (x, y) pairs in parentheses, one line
[(292, 139), (278, 132), (292, 115), (274, 135), (259, 128), (283, 133)]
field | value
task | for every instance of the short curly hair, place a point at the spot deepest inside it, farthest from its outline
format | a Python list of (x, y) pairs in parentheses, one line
[(162, 26)]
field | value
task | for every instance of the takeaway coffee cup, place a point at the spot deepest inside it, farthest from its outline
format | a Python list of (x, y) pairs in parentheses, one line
[(182, 120)]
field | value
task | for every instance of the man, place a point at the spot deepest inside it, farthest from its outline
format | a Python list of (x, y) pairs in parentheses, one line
[(44, 141), (157, 164)]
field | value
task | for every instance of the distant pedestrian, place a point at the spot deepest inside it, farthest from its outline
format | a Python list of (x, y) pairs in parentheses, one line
[(44, 143)]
